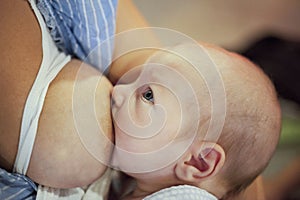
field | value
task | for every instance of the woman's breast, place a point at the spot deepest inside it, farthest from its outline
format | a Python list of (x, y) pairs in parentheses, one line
[(74, 139)]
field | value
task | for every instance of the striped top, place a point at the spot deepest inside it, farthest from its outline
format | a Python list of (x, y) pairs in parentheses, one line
[(82, 28), (16, 186)]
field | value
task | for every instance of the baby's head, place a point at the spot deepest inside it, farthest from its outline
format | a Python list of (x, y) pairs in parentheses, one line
[(208, 118), (253, 119)]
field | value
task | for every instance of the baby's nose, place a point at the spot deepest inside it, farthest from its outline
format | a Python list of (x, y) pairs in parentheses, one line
[(118, 95)]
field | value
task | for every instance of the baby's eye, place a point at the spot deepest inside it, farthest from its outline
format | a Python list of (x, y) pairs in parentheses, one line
[(148, 95)]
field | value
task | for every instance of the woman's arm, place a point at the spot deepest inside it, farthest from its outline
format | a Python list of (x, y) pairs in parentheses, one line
[(72, 146), (129, 18)]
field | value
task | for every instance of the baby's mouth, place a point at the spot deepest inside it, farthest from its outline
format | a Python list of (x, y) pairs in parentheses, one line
[(112, 107), (112, 102)]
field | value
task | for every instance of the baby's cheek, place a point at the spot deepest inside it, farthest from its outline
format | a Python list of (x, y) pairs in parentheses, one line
[(140, 145), (124, 141)]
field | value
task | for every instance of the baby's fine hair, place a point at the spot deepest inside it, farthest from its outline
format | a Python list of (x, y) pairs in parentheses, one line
[(253, 122)]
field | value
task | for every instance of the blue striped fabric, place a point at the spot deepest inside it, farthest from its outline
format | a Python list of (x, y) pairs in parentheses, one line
[(79, 26), (15, 186)]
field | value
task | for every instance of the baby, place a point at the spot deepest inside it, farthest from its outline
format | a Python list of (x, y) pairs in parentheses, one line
[(194, 120)]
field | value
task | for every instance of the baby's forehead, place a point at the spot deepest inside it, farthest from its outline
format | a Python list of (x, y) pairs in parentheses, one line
[(166, 77), (159, 72), (170, 68), (167, 66), (185, 84)]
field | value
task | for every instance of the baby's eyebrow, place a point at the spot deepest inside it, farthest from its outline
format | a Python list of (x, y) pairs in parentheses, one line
[(155, 75), (149, 75), (158, 72)]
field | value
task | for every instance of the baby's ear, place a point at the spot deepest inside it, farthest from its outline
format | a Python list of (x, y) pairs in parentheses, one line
[(202, 161)]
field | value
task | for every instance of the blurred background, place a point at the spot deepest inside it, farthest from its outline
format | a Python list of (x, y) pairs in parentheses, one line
[(268, 33)]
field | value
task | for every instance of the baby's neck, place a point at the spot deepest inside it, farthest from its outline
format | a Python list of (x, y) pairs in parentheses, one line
[(137, 194), (144, 188)]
